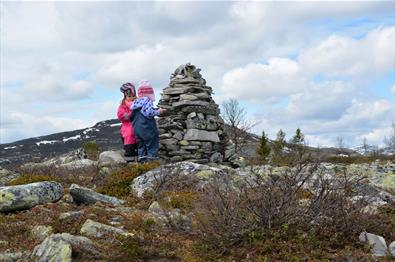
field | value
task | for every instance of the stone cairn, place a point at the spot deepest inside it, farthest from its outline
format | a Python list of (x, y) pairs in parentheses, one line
[(192, 128)]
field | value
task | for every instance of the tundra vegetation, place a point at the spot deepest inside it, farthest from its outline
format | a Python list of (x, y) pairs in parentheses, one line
[(289, 210)]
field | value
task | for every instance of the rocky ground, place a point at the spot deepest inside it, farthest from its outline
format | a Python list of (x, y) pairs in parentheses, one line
[(73, 209)]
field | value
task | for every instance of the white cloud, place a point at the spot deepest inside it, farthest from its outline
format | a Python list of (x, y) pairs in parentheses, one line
[(377, 135), (56, 88), (325, 101), (372, 112), (345, 56), (133, 65), (107, 110), (318, 141), (260, 82), (27, 26), (15, 125), (74, 49)]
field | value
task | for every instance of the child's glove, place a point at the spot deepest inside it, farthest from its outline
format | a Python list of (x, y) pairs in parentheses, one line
[(126, 116)]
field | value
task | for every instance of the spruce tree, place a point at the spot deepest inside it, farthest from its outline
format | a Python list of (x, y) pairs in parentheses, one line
[(279, 143), (264, 148), (278, 148), (298, 138)]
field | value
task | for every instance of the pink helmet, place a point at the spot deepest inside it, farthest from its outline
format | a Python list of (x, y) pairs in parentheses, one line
[(128, 89)]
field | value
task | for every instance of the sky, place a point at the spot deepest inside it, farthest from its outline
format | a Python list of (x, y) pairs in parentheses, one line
[(327, 68)]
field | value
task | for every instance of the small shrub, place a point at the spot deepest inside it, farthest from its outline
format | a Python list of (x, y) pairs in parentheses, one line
[(32, 178), (81, 176), (358, 159), (276, 217), (264, 148), (181, 200), (118, 183), (92, 149), (131, 247)]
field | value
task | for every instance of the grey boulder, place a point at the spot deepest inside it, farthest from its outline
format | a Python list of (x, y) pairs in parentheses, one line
[(198, 173), (83, 195), (391, 248), (95, 229), (379, 247), (59, 248), (111, 158), (13, 198)]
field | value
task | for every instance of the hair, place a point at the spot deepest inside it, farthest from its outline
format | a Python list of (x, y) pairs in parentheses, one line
[(124, 98)]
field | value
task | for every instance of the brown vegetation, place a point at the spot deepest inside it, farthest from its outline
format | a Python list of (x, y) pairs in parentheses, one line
[(274, 217)]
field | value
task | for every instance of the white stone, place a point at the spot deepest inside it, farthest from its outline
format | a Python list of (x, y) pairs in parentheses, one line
[(110, 158), (391, 248), (379, 247), (187, 97)]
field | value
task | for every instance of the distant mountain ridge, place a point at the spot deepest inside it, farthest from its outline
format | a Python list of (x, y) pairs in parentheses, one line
[(105, 133)]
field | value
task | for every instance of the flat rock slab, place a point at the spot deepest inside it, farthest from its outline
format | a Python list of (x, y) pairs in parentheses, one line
[(83, 195), (210, 109), (13, 198), (95, 229), (190, 103), (201, 135), (59, 247)]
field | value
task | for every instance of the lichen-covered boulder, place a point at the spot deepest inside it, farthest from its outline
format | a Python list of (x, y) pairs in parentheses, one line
[(80, 163), (59, 248), (83, 195), (13, 198), (11, 256), (53, 249), (18, 256), (95, 229), (199, 173)]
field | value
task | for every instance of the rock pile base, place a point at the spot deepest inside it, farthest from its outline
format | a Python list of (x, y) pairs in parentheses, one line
[(192, 129)]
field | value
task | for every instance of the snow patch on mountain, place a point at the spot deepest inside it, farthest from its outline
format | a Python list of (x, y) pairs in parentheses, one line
[(72, 138), (44, 142)]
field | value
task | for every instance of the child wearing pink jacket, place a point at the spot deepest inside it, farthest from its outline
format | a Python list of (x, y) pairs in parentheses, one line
[(129, 140)]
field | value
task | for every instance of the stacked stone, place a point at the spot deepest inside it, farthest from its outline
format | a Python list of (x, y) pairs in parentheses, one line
[(192, 128)]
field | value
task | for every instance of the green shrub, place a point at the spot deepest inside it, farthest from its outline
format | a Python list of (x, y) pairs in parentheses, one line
[(182, 200), (118, 183), (92, 149), (32, 178), (358, 159), (264, 148)]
